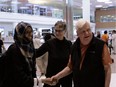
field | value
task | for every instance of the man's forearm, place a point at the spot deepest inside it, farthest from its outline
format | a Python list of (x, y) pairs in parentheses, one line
[(107, 75), (66, 71)]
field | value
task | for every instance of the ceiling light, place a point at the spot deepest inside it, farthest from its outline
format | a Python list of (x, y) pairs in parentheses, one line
[(38, 1), (98, 6), (108, 2), (15, 2), (111, 5), (24, 7), (56, 9), (60, 0), (103, 0), (4, 0)]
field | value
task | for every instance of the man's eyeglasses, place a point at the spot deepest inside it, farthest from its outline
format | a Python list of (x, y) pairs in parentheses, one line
[(59, 30)]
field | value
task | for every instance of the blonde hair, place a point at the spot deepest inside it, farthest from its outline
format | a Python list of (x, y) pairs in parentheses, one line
[(80, 23)]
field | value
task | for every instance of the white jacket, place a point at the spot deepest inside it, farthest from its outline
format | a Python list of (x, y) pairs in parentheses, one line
[(41, 61)]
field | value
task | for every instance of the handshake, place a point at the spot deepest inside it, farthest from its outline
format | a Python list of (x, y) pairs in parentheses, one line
[(50, 81)]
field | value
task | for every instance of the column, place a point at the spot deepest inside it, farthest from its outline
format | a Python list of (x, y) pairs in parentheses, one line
[(68, 17), (86, 9), (14, 6), (86, 13)]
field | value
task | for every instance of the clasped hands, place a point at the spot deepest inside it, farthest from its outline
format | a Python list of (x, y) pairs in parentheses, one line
[(50, 81)]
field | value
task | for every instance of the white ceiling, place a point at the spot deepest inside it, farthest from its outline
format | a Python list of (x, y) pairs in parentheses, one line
[(59, 3), (93, 5), (77, 4)]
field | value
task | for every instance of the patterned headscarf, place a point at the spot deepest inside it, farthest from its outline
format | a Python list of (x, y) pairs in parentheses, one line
[(23, 43)]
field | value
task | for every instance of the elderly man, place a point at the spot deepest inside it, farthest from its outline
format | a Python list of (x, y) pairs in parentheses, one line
[(89, 60)]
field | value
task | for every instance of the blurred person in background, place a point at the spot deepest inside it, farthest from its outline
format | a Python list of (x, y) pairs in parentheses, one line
[(114, 41), (58, 54), (37, 43), (89, 60), (98, 34), (2, 47), (42, 60), (105, 37)]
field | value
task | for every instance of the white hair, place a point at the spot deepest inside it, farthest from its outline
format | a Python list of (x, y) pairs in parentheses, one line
[(80, 23)]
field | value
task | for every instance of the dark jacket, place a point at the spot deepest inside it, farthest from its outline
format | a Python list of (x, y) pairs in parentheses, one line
[(19, 73), (92, 72), (58, 54), (1, 43)]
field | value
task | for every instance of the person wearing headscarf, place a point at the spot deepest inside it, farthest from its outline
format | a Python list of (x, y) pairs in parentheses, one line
[(21, 71), (20, 68)]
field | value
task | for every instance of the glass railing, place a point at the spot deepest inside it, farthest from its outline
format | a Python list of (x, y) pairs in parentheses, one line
[(33, 10)]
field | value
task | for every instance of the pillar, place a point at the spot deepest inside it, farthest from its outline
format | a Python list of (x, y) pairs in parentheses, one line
[(86, 9), (15, 6), (68, 17)]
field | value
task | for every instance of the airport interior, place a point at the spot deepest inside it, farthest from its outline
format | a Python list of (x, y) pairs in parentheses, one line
[(43, 14)]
